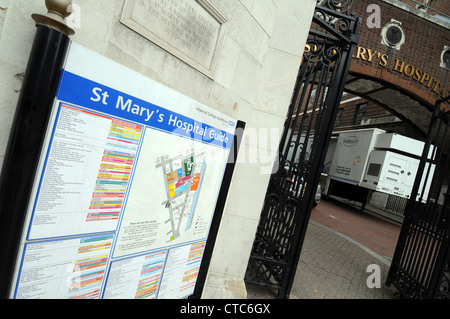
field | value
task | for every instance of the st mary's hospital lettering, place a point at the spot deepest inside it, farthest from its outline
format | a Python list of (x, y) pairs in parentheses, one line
[(408, 70), (402, 67)]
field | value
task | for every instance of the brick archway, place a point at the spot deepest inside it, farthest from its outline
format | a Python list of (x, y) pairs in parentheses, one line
[(408, 78), (395, 80), (394, 92)]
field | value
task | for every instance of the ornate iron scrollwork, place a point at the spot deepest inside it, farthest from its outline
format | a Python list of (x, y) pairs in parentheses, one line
[(342, 6), (319, 51), (334, 19)]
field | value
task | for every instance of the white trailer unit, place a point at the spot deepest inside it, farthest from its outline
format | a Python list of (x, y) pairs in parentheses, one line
[(400, 143), (394, 172), (375, 160), (351, 155)]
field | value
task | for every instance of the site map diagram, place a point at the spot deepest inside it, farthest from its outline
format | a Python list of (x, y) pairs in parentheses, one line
[(182, 175)]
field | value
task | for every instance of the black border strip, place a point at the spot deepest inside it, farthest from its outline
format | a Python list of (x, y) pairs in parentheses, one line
[(217, 217)]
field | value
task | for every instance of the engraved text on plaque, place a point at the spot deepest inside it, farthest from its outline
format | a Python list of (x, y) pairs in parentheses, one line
[(192, 30)]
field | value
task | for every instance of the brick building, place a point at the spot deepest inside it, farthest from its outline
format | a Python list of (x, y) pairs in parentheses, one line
[(400, 67)]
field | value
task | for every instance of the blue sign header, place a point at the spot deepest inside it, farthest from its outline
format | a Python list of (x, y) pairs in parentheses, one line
[(89, 94)]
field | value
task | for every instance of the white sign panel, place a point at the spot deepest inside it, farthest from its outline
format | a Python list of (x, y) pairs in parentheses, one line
[(127, 188)]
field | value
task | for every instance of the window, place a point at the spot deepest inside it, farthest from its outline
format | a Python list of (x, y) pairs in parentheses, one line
[(360, 111), (445, 58), (338, 118), (374, 169), (393, 35)]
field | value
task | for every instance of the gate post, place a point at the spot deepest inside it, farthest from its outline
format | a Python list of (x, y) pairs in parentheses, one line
[(323, 140), (442, 270), (421, 257), (28, 130)]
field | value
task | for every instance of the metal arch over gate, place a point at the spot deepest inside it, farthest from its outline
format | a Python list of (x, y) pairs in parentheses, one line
[(421, 264), (308, 127)]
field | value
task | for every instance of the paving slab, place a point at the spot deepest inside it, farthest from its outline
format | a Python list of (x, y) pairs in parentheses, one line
[(334, 264)]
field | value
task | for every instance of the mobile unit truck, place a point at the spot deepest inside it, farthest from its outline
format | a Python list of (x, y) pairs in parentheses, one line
[(372, 159)]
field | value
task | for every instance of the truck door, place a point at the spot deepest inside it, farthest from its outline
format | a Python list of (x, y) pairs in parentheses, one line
[(395, 169)]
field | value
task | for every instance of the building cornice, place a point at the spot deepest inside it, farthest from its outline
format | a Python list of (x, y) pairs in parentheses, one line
[(418, 12)]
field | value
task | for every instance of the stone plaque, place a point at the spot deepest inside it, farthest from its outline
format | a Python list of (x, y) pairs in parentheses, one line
[(191, 30)]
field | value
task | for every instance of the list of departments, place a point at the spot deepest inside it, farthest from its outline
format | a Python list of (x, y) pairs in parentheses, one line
[(74, 203)]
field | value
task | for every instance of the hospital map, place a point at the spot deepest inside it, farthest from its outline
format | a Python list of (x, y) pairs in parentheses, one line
[(182, 175)]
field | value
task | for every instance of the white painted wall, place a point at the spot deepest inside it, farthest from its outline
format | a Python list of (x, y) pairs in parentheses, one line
[(254, 81)]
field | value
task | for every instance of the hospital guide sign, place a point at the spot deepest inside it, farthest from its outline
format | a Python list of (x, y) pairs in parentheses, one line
[(126, 187)]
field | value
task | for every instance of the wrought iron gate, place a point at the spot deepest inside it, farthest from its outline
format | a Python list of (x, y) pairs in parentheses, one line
[(308, 127), (421, 264)]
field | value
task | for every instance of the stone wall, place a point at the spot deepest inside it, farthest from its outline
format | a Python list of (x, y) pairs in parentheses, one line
[(253, 82)]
